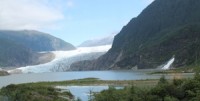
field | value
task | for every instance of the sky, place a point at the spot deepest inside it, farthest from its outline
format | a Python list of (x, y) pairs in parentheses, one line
[(74, 21)]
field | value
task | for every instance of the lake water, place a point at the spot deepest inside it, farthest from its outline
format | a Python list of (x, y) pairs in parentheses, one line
[(103, 75), (84, 92)]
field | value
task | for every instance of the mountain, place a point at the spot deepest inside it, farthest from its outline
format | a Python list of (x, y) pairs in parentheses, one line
[(20, 48), (108, 40), (13, 54), (36, 41), (165, 29)]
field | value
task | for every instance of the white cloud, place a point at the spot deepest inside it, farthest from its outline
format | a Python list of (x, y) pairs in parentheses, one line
[(28, 14), (70, 3)]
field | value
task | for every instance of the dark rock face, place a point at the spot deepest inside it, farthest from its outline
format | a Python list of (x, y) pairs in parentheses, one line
[(166, 28), (13, 54)]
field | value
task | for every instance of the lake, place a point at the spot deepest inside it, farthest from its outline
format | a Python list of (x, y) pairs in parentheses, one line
[(103, 75), (84, 92)]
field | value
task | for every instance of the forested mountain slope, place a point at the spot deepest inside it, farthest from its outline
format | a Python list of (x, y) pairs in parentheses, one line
[(165, 29)]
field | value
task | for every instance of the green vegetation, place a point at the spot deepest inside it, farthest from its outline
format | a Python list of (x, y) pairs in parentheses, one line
[(25, 92), (161, 31), (135, 90), (166, 28), (45, 91), (175, 71), (185, 69), (95, 81), (182, 42), (164, 90)]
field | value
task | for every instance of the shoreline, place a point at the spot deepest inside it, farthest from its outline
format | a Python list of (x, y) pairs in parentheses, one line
[(47, 87), (97, 82)]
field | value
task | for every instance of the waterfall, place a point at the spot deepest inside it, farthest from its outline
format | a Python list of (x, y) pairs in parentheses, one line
[(169, 63)]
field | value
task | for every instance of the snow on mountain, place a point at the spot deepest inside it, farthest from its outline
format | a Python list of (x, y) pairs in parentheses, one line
[(108, 40), (64, 59)]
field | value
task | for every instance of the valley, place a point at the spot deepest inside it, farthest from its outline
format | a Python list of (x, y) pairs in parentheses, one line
[(151, 54)]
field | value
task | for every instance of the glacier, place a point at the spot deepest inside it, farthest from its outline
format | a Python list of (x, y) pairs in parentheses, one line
[(63, 59)]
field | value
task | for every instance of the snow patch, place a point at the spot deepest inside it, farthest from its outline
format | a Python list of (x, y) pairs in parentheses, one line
[(81, 50)]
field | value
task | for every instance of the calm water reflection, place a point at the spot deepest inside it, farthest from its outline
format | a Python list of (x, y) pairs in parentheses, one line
[(84, 92)]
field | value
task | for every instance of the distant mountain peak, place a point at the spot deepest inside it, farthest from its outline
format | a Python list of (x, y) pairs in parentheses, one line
[(106, 40)]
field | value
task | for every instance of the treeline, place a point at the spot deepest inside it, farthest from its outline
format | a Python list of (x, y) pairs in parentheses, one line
[(175, 90)]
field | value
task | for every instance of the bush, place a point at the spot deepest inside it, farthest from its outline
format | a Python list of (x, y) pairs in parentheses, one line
[(25, 92), (178, 90)]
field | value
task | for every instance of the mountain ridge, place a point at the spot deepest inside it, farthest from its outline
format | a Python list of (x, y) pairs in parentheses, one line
[(154, 37), (35, 40), (20, 48)]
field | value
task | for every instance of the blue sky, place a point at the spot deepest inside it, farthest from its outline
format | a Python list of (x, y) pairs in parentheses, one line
[(71, 20)]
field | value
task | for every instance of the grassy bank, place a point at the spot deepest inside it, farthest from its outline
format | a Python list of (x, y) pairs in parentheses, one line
[(95, 81), (177, 70), (134, 89), (26, 92), (46, 91), (164, 90)]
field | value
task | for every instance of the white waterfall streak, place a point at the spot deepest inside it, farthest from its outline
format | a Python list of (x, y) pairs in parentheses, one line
[(169, 63)]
